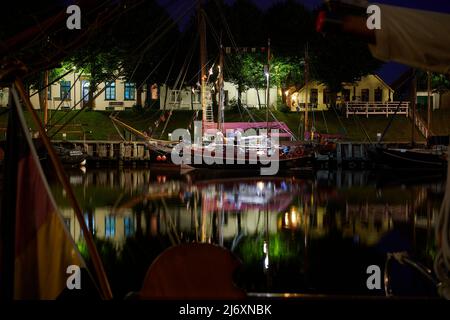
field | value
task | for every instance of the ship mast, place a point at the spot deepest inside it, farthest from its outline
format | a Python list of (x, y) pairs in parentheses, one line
[(202, 33), (306, 92), (220, 113), (267, 74)]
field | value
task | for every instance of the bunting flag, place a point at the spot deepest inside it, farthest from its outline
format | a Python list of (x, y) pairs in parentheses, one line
[(230, 50), (43, 247)]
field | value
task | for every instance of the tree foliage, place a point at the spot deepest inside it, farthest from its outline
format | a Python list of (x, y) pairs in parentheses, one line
[(440, 83)]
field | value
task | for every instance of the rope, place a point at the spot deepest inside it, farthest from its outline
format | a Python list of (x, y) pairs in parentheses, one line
[(64, 98), (325, 121)]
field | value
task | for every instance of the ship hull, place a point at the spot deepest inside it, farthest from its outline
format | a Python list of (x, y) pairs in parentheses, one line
[(409, 158)]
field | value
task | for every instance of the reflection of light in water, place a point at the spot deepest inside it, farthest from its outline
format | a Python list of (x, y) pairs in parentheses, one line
[(161, 179), (266, 254), (260, 185), (75, 180), (293, 217)]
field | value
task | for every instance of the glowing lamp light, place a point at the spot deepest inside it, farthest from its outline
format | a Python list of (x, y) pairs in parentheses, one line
[(294, 218), (286, 219)]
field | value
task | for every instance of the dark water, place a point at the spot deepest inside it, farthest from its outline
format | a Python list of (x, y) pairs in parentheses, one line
[(315, 233)]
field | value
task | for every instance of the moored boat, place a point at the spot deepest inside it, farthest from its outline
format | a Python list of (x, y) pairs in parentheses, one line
[(423, 158)]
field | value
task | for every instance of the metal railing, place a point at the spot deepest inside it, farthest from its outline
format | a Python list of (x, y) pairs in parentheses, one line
[(376, 108)]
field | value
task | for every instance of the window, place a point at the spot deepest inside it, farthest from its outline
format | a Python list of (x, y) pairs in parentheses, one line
[(110, 226), (89, 219), (197, 97), (155, 94), (130, 90), (67, 223), (64, 93), (175, 96), (226, 97), (128, 226), (110, 91), (49, 92), (326, 96), (378, 94), (346, 95), (314, 96), (365, 95)]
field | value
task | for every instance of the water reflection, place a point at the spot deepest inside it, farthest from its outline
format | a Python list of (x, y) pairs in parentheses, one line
[(312, 234)]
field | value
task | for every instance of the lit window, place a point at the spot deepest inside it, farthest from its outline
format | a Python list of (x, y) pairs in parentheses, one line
[(128, 226), (110, 226), (90, 222), (110, 91), (65, 90), (129, 92), (175, 96)]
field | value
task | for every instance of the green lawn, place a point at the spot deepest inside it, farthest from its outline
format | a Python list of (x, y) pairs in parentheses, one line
[(440, 121), (96, 125)]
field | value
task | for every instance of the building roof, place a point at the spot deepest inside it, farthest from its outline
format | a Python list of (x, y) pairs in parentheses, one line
[(375, 75)]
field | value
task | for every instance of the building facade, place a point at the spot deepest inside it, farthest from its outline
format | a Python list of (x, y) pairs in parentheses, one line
[(370, 88), (188, 98), (72, 91)]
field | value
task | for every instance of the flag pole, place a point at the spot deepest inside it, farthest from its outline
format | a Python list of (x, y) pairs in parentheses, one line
[(105, 288)]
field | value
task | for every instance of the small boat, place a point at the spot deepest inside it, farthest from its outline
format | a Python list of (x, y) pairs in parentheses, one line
[(68, 154), (423, 158), (71, 156)]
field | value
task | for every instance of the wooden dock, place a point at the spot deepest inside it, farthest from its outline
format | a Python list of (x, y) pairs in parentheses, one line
[(348, 155), (112, 152)]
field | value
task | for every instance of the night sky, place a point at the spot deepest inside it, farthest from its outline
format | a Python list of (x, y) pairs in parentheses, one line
[(390, 71), (433, 5)]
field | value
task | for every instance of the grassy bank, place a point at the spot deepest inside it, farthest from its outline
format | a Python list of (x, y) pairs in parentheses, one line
[(96, 125)]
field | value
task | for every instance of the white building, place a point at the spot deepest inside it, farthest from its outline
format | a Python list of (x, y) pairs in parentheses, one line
[(422, 99), (120, 95), (189, 98), (72, 92)]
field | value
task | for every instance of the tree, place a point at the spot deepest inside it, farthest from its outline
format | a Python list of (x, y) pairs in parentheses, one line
[(98, 59), (440, 83), (338, 59), (290, 26), (146, 35), (334, 59), (134, 44), (287, 72), (244, 20)]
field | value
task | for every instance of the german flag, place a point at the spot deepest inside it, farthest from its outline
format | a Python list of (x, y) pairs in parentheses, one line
[(43, 249)]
